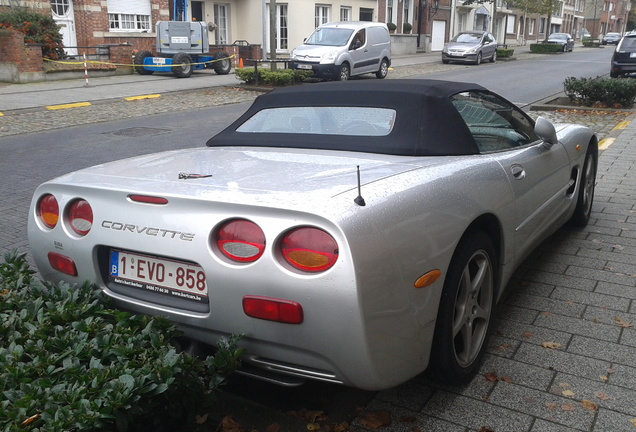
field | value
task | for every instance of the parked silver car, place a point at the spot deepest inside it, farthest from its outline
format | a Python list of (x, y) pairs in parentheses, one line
[(611, 39), (354, 232), (470, 47), (564, 39)]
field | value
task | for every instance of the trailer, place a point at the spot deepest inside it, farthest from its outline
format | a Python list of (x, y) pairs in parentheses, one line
[(182, 47)]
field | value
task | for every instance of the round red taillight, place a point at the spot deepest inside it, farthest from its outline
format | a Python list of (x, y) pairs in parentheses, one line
[(309, 249), (80, 216), (48, 210), (241, 240)]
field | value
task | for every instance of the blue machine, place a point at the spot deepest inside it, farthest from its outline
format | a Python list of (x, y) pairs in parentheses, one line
[(182, 46)]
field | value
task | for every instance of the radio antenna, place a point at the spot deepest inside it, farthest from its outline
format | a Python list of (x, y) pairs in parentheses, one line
[(359, 200)]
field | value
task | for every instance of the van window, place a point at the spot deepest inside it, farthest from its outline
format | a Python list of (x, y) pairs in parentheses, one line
[(358, 40), (329, 37)]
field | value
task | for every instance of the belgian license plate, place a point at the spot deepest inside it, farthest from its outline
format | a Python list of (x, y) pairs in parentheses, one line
[(632, 54), (303, 66), (158, 60), (179, 39), (160, 275)]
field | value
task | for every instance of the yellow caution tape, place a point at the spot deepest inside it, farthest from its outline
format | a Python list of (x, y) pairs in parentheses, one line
[(132, 65)]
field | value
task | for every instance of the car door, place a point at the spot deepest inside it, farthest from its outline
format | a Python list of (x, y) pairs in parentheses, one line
[(360, 55), (539, 175)]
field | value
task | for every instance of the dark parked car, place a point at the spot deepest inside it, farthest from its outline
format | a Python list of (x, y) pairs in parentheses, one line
[(624, 57), (611, 38), (471, 47), (564, 39)]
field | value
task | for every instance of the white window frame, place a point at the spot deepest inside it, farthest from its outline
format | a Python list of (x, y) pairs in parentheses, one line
[(129, 16), (222, 20), (345, 13), (322, 14), (531, 26), (282, 28), (511, 24)]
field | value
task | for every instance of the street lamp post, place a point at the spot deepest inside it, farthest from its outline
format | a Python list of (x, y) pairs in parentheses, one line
[(419, 20)]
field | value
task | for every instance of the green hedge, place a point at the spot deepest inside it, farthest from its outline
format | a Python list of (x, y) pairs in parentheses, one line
[(278, 77), (545, 48), (505, 53), (601, 92), (70, 363)]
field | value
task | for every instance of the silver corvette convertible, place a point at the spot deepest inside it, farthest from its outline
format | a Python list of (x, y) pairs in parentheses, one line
[(356, 233)]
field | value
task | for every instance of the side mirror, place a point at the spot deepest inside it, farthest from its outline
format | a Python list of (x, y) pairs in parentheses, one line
[(546, 131)]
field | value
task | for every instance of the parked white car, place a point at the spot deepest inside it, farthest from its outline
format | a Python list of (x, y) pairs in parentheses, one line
[(340, 50)]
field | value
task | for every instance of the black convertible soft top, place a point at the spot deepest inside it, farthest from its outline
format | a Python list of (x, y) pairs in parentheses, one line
[(426, 122)]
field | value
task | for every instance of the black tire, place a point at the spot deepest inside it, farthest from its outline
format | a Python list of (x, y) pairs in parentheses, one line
[(465, 310), (494, 57), (565, 48), (138, 61), (478, 59), (223, 65), (384, 69), (584, 201), (182, 65), (343, 72), (613, 74), (445, 61)]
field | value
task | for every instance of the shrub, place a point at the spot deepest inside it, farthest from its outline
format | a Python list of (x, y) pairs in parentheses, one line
[(406, 27), (276, 78), (69, 363), (37, 29), (540, 48), (391, 26), (505, 52), (601, 92)]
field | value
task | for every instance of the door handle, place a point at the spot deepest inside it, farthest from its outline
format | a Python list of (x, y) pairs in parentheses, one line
[(518, 172)]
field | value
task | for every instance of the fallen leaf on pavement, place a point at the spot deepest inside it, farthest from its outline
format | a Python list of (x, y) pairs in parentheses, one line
[(376, 419), (633, 421), (551, 345), (313, 426), (568, 407), (551, 406), (604, 378), (527, 334), (491, 376), (228, 424), (274, 427), (201, 419), (568, 393), (602, 396), (622, 323), (486, 429), (589, 405)]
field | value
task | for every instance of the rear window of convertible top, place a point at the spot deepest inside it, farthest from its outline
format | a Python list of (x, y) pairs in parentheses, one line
[(321, 120)]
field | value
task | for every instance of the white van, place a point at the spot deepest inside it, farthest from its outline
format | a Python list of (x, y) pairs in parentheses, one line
[(339, 50)]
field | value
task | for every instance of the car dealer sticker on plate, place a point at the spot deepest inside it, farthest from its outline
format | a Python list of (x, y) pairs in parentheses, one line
[(158, 275)]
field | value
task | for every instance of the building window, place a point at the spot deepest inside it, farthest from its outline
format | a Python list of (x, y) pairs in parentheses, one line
[(511, 24), (345, 13), (531, 26), (60, 7), (221, 33), (128, 22), (389, 11), (282, 30), (129, 15), (322, 14)]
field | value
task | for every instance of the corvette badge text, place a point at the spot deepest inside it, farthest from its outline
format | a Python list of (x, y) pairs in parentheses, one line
[(154, 232)]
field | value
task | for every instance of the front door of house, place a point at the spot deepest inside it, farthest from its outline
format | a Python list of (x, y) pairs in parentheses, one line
[(62, 11)]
